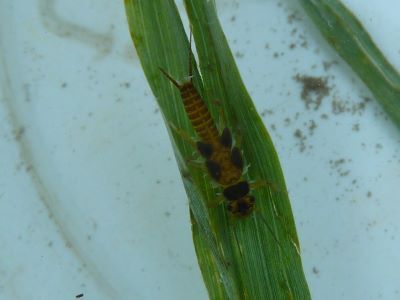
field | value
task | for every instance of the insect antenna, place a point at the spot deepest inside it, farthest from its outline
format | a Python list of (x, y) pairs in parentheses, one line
[(190, 55), (176, 83)]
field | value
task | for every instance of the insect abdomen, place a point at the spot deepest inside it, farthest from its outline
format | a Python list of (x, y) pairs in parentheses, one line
[(199, 114)]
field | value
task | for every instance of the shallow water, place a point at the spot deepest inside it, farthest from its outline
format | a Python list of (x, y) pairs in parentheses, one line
[(90, 195)]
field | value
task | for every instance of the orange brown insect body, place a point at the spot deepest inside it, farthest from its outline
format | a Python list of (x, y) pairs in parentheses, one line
[(197, 111), (223, 161)]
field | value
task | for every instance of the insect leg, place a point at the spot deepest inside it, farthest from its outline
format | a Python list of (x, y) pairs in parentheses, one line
[(196, 164), (217, 202), (264, 183), (205, 149), (183, 134), (222, 119)]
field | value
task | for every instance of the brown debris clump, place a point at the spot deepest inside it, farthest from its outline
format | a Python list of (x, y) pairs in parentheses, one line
[(314, 90)]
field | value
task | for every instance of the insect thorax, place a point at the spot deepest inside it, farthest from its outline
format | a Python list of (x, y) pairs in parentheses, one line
[(228, 172)]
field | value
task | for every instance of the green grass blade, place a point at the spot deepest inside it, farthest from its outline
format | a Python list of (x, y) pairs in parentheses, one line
[(352, 42), (239, 259), (280, 275), (160, 41)]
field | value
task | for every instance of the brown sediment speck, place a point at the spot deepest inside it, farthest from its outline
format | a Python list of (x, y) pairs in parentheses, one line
[(338, 165), (125, 85), (356, 127), (346, 106), (314, 90), (328, 64), (267, 112), (19, 133), (324, 117), (294, 17), (239, 54), (300, 136), (311, 127)]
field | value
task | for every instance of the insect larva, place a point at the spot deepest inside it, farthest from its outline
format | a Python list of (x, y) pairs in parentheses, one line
[(223, 161)]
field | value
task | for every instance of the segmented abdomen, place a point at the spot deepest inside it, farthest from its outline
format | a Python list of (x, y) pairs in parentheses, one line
[(199, 114)]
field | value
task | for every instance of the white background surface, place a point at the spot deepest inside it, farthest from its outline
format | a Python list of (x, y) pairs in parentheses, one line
[(90, 197)]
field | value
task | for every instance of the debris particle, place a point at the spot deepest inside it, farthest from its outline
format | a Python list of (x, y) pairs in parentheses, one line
[(311, 127), (324, 117), (356, 127), (345, 106), (328, 64), (315, 270), (338, 162), (239, 54), (338, 107), (338, 166), (304, 44), (267, 112), (300, 136), (314, 90), (19, 133), (344, 173), (294, 17)]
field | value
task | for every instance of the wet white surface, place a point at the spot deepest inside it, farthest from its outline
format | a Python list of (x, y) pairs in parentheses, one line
[(90, 197)]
